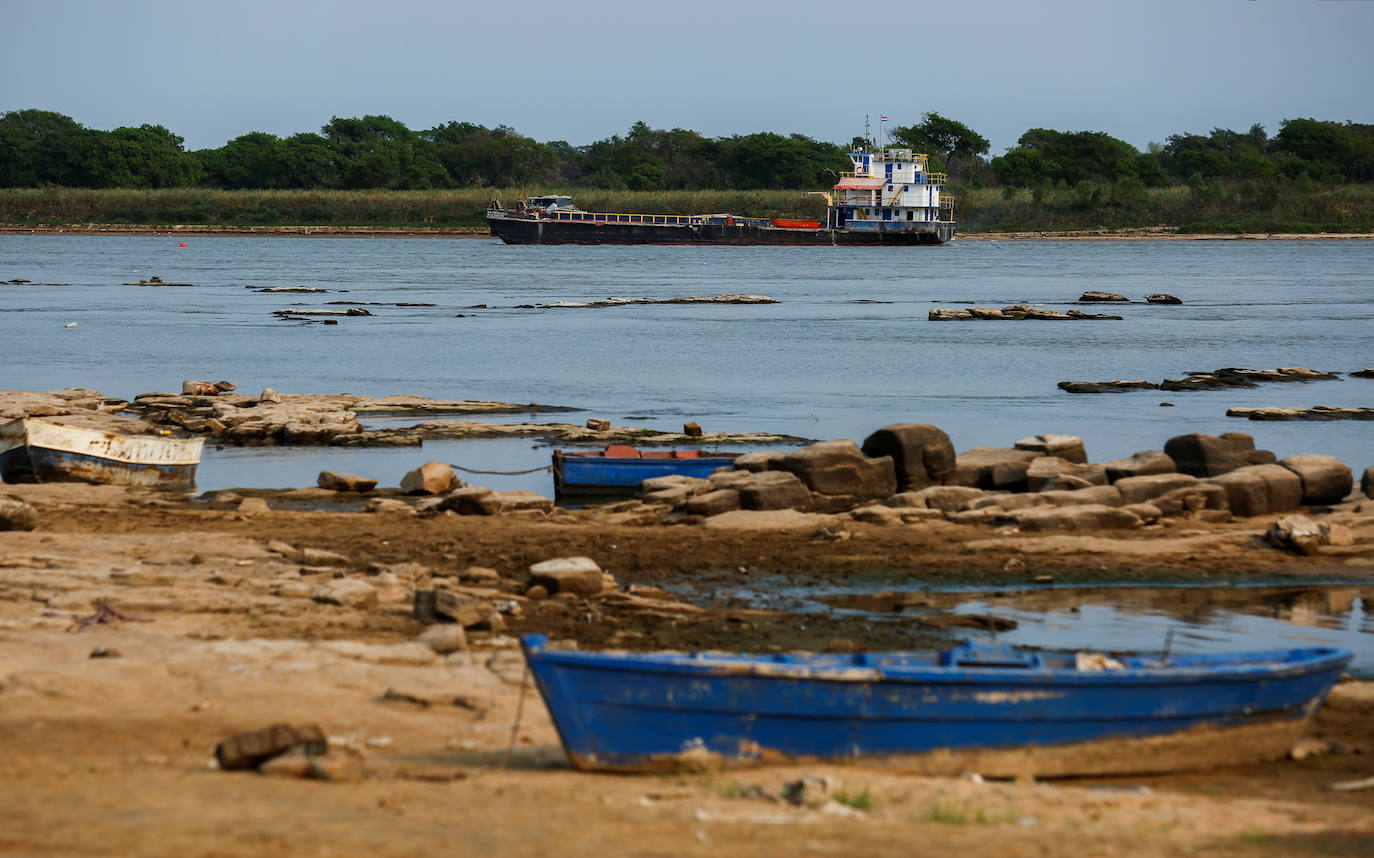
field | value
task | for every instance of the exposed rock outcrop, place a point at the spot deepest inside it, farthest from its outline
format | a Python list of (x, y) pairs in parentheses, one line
[(921, 454), (1325, 480)]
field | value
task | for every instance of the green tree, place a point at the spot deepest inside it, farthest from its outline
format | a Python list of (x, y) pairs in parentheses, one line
[(39, 147), (253, 160), (148, 156)]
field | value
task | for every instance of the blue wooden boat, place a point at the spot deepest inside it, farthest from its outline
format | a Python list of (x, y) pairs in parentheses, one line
[(989, 709), (619, 469), (39, 451)]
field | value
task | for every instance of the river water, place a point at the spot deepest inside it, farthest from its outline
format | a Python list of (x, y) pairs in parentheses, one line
[(846, 351)]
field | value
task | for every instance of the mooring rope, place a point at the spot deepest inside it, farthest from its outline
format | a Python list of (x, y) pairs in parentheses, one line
[(519, 715), (500, 473)]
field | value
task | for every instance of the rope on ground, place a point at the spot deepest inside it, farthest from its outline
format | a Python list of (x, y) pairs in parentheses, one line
[(519, 714), (500, 473)]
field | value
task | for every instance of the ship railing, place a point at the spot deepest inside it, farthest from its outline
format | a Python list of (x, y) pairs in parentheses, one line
[(946, 201), (617, 217), (922, 178)]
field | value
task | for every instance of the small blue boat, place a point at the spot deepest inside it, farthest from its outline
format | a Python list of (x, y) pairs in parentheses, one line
[(994, 710), (619, 469)]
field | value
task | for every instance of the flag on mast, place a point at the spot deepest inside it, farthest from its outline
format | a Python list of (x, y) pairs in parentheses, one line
[(882, 118)]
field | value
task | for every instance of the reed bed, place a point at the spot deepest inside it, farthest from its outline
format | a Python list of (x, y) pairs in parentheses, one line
[(1238, 207)]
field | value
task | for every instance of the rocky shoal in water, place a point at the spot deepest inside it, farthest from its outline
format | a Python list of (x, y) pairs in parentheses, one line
[(329, 419), (1220, 379)]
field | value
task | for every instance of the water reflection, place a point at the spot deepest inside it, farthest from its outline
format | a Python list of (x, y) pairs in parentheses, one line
[(1139, 619)]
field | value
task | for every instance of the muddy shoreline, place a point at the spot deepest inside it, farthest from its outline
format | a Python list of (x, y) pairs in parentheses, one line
[(1128, 234), (223, 635)]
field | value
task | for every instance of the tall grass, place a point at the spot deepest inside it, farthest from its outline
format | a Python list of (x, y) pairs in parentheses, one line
[(1238, 207), (447, 208)]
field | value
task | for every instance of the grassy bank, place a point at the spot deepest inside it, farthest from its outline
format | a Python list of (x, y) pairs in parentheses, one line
[(1218, 208)]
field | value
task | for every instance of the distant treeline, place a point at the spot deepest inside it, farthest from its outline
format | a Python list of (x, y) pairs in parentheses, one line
[(40, 148)]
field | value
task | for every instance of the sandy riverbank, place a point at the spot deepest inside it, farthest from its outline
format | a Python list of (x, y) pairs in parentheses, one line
[(110, 755), (1141, 234)]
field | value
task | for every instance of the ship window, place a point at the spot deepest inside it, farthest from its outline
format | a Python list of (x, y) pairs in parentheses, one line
[(911, 215)]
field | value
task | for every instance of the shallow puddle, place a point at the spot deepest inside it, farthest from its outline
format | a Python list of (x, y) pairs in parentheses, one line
[(1189, 619)]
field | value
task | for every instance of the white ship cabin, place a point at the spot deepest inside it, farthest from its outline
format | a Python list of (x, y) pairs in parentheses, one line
[(550, 203), (888, 190)]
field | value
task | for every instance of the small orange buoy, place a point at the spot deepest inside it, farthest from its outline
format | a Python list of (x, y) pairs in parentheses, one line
[(183, 244)]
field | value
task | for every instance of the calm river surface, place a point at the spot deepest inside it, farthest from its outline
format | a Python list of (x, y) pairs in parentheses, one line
[(847, 350)]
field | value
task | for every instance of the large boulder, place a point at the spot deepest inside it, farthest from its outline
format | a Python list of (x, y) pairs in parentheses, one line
[(580, 576), (1325, 480), (1096, 495), (1141, 464), (976, 467), (921, 454), (839, 476), (1213, 455), (761, 461), (777, 520), (1150, 486), (338, 481), (1261, 490), (947, 498), (1367, 482), (1067, 447), (773, 490), (1295, 533), (1095, 295), (1191, 498), (1084, 517), (347, 592), (431, 478), (1046, 468), (716, 502)]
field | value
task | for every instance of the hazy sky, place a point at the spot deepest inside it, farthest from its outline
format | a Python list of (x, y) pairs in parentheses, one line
[(580, 70)]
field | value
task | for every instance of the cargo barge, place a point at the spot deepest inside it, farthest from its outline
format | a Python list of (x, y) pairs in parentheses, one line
[(890, 198)]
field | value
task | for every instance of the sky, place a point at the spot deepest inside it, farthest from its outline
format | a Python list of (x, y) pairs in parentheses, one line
[(582, 71)]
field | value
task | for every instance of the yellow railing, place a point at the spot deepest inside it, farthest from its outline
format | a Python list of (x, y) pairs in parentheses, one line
[(946, 201), (930, 178)]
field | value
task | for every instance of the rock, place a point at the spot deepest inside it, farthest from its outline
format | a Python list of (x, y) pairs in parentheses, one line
[(461, 608), (1100, 495), (580, 576), (716, 502), (811, 791), (389, 505), (481, 575), (339, 764), (431, 478), (536, 593), (1192, 499), (1363, 373), (1141, 464), (502, 502), (1065, 483), (922, 455), (17, 515), (1087, 517), (206, 388), (255, 747), (1045, 468), (1295, 533), (1106, 386), (1367, 482), (1162, 298), (760, 461), (691, 430), (341, 482), (598, 425), (877, 514), (253, 506), (1150, 486), (947, 498), (1146, 512), (269, 395), (1261, 490), (839, 476), (1325, 480), (469, 500), (1066, 447), (348, 593), (1007, 503), (672, 481), (1093, 295), (321, 557), (948, 314), (1230, 377), (1202, 455), (1315, 413), (974, 468), (769, 520), (444, 638), (769, 490)]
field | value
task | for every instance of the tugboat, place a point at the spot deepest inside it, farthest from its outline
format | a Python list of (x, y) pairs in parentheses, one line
[(890, 197)]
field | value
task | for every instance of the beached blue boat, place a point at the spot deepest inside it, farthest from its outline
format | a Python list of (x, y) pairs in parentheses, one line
[(988, 709), (620, 469)]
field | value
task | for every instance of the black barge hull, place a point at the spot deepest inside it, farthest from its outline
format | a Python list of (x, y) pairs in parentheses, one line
[(529, 231)]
